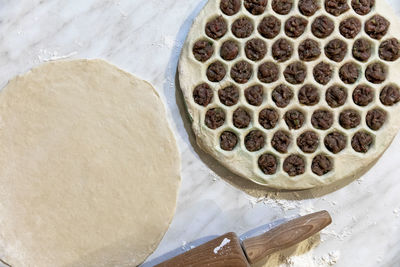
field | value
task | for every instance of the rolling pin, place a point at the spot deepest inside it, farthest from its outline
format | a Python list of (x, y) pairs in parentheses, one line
[(227, 250)]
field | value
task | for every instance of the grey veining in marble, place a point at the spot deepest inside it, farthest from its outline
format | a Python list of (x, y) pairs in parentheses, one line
[(144, 37)]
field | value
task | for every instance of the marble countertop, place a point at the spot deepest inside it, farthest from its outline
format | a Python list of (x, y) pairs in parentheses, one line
[(144, 37)]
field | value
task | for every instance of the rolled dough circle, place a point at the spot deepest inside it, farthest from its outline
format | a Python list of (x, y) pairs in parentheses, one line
[(89, 168)]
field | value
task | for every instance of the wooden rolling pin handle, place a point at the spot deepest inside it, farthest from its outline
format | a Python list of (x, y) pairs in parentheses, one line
[(285, 235)]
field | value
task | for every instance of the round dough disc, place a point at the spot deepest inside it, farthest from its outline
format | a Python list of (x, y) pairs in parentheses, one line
[(89, 168), (238, 56)]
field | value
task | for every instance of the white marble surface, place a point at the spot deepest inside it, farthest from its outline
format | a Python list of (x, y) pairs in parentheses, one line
[(144, 37)]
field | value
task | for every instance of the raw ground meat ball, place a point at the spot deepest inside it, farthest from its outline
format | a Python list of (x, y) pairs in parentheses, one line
[(323, 73), (294, 165), (376, 73), (309, 50), (362, 49), (254, 95), (241, 72), (216, 72), (336, 96), (389, 50), (215, 118), (308, 7), (229, 96), (321, 165), (322, 27), (241, 118), (281, 141), (295, 73), (350, 27), (294, 119), (349, 119), (349, 72), (229, 50), (335, 142), (255, 49), (230, 7), (390, 95), (322, 119), (268, 72), (242, 27), (336, 50), (363, 95), (308, 142), (282, 7), (203, 50), (362, 142), (203, 94), (254, 141), (268, 118), (282, 95), (309, 95), (336, 7), (295, 26), (228, 141), (255, 7), (216, 28), (268, 164), (377, 27), (282, 50), (269, 27), (362, 7), (376, 118)]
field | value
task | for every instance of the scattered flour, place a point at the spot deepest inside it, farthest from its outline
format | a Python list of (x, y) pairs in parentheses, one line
[(214, 177), (223, 244), (308, 260), (273, 200), (396, 212), (340, 236), (45, 55), (169, 41), (185, 247), (329, 259), (302, 256)]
